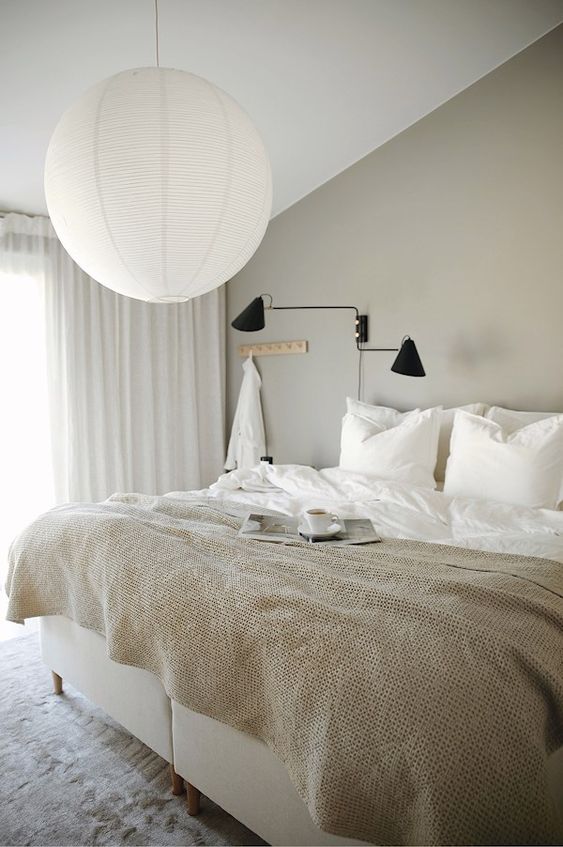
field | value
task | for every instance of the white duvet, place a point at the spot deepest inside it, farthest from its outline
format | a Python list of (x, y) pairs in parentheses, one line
[(397, 510)]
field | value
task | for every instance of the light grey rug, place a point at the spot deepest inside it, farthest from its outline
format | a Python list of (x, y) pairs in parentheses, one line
[(69, 774)]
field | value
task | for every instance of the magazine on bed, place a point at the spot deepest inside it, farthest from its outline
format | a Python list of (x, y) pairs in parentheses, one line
[(284, 529)]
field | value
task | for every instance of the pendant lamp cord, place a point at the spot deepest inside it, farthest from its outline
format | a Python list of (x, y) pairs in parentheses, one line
[(156, 32)]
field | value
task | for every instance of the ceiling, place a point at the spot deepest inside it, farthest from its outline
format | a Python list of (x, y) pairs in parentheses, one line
[(325, 81)]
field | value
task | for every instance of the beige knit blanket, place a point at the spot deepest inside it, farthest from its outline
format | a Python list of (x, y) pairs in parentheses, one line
[(412, 690)]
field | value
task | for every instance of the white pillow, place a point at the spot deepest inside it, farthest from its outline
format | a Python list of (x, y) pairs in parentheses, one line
[(405, 452), (523, 468), (511, 420), (389, 417), (383, 415), (446, 424)]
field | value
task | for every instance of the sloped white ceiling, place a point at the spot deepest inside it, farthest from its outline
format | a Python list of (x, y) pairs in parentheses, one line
[(325, 81)]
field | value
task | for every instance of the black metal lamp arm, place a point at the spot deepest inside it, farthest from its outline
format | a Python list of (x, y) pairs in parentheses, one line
[(280, 308), (361, 324), (376, 349)]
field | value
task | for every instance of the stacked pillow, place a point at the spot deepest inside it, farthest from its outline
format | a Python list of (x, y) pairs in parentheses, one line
[(384, 443), (511, 420), (503, 455), (359, 450), (511, 457)]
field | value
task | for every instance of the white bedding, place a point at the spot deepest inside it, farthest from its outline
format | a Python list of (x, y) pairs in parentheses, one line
[(397, 510)]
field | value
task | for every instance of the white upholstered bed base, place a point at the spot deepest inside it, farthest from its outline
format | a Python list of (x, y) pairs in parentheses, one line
[(132, 696), (234, 769), (240, 773)]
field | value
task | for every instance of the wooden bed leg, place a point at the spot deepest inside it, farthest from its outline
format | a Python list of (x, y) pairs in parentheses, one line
[(57, 683), (177, 781), (192, 798)]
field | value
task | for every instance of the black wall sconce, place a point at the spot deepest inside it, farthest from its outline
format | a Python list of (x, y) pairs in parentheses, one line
[(407, 361)]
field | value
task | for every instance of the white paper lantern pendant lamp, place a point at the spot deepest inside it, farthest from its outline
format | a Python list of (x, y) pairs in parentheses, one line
[(158, 184)]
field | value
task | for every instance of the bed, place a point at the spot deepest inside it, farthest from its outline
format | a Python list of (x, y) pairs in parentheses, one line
[(256, 779)]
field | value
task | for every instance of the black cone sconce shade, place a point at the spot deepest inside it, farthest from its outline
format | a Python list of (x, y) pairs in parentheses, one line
[(408, 361), (251, 319)]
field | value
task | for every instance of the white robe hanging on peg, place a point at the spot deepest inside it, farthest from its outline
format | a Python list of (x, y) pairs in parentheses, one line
[(248, 440)]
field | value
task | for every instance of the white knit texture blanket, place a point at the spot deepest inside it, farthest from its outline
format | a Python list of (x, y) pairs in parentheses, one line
[(413, 691)]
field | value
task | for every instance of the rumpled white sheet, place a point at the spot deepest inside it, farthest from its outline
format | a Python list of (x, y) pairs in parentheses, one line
[(397, 510)]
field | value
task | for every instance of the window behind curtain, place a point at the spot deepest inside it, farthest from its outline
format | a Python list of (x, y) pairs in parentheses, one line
[(26, 478)]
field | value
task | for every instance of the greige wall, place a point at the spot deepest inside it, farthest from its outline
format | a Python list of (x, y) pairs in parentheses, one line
[(451, 232)]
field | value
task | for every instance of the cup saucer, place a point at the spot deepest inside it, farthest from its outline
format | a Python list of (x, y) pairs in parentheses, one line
[(306, 532)]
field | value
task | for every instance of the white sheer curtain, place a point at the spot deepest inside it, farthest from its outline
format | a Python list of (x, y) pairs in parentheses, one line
[(136, 390)]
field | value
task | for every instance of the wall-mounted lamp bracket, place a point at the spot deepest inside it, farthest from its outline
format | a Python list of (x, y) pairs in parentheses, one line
[(362, 329)]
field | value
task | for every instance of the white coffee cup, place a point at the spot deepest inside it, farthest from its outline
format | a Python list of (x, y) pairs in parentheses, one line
[(319, 520)]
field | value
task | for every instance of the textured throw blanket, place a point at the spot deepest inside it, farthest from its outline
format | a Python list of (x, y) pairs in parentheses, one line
[(413, 691)]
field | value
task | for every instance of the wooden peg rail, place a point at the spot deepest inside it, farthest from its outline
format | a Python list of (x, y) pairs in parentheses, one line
[(273, 348)]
